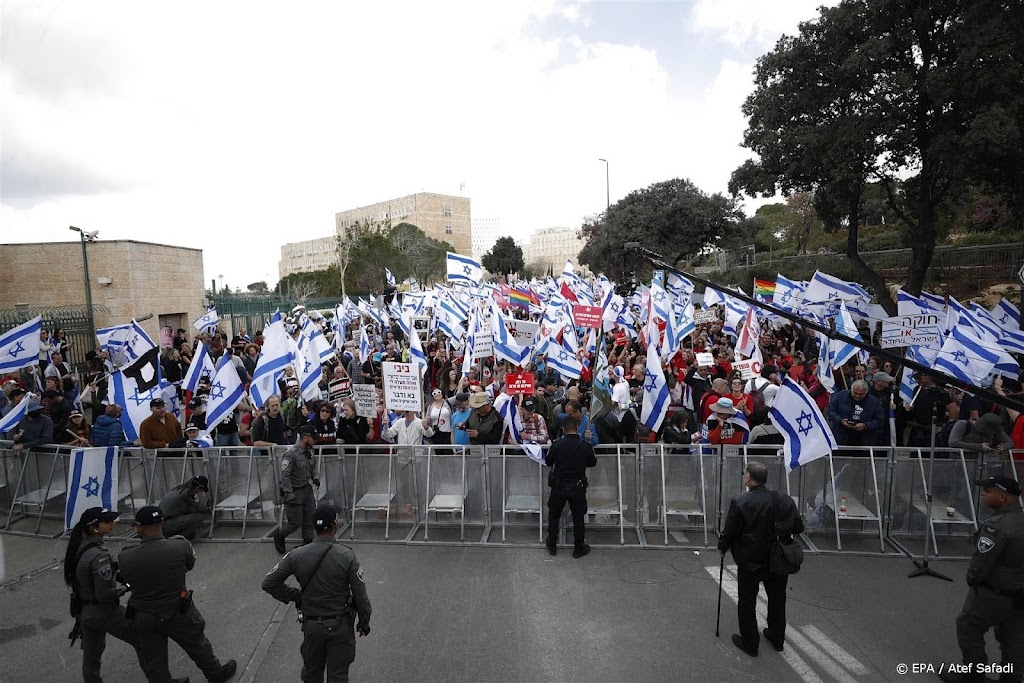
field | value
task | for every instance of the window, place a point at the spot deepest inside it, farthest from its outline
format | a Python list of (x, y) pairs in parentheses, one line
[(447, 209), (451, 242), (447, 228)]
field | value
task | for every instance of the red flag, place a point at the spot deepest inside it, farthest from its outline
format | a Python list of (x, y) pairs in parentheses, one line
[(568, 294)]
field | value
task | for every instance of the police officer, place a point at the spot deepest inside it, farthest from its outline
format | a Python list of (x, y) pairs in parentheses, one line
[(297, 470), (996, 578), (331, 587), (186, 508), (91, 574), (569, 458), (161, 604)]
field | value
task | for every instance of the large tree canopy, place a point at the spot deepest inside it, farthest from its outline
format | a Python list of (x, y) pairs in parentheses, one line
[(504, 257), (911, 97), (674, 218)]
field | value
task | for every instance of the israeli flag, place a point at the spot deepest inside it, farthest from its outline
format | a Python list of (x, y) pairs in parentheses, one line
[(464, 269), (93, 482), (389, 277), (508, 409), (276, 355), (365, 347), (19, 347), (467, 355), (416, 355), (226, 392), (312, 332), (842, 351), (11, 419), (505, 347), (678, 285), (1007, 317), (965, 356), (825, 362), (656, 393), (564, 361), (202, 365), (661, 302), (133, 387), (808, 437), (908, 304), (788, 293), (308, 365), (207, 322), (127, 344)]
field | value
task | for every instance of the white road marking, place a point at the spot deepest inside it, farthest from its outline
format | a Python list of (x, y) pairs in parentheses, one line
[(835, 651)]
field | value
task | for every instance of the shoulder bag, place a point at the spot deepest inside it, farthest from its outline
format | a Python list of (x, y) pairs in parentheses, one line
[(785, 557)]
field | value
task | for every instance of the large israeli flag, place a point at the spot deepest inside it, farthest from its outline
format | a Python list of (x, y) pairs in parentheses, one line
[(966, 357), (201, 365), (308, 365), (132, 387), (93, 482), (19, 346), (656, 393), (808, 437), (276, 355), (464, 269), (226, 392), (127, 343)]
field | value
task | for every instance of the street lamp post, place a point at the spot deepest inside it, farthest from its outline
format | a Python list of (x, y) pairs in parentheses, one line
[(607, 186), (87, 237)]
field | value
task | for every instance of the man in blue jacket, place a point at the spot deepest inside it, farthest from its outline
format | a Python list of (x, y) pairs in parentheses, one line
[(108, 430), (855, 416)]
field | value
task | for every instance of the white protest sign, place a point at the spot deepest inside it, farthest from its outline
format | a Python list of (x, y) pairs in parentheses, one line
[(483, 346), (705, 360), (523, 331), (919, 329), (708, 316), (421, 325), (402, 387), (749, 368), (365, 397)]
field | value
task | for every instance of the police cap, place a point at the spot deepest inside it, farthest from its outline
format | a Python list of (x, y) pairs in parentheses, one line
[(1003, 483)]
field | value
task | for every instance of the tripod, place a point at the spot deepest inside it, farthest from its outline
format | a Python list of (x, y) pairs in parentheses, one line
[(922, 567)]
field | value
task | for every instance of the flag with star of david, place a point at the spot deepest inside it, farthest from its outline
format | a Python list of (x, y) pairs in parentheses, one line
[(132, 387), (207, 322), (464, 269), (807, 434), (226, 392), (93, 482), (20, 346), (655, 390)]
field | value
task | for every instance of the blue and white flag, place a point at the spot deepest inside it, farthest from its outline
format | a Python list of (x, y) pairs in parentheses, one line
[(1007, 317), (389, 277), (276, 355), (132, 387), (678, 286), (11, 419), (226, 392), (843, 351), (307, 364), (202, 365), (564, 361), (416, 355), (127, 344), (656, 393), (505, 346), (908, 385), (93, 482), (470, 350), (966, 357), (508, 409), (808, 437), (207, 322), (312, 332), (788, 294), (365, 347), (824, 372), (908, 304), (19, 347), (464, 269)]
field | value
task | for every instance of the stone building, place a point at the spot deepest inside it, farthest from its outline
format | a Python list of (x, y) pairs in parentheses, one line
[(304, 257), (444, 217), (128, 279), (551, 247)]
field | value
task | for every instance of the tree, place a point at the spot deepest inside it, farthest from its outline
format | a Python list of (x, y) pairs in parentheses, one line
[(304, 290), (347, 240), (504, 257), (258, 287), (673, 217), (890, 94), (323, 282)]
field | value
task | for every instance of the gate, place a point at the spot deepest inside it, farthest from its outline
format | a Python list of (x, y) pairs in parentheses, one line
[(74, 320)]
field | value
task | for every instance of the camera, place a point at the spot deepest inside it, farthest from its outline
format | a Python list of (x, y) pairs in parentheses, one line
[(462, 426)]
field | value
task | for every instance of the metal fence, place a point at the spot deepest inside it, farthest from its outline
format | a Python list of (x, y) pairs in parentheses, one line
[(886, 501), (74, 320)]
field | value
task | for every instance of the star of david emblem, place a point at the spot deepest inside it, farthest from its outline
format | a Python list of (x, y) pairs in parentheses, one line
[(786, 296), (563, 356), (216, 390), (20, 346), (652, 380), (804, 423), (306, 366), (960, 357), (132, 342), (660, 296), (91, 487), (467, 270), (138, 399), (1006, 316)]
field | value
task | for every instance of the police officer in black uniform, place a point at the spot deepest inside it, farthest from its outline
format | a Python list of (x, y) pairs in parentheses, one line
[(996, 578), (297, 470), (331, 593), (569, 458), (161, 604), (91, 574)]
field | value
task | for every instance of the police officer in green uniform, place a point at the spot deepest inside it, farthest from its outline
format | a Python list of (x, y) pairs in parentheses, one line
[(996, 578), (161, 604), (91, 574), (297, 470), (332, 592)]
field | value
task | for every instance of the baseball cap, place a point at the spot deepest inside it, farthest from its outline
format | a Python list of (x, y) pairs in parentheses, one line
[(94, 515), (882, 377), (530, 404), (324, 517), (307, 430), (157, 403), (202, 482), (1003, 483), (76, 413), (148, 515), (192, 425), (195, 402)]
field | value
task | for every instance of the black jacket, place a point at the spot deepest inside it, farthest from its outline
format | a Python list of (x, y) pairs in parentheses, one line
[(750, 530), (570, 456)]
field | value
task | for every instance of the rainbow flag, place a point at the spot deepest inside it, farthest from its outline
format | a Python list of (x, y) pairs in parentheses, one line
[(764, 290), (518, 297)]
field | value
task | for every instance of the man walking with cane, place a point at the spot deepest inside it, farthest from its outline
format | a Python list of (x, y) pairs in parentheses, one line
[(749, 531)]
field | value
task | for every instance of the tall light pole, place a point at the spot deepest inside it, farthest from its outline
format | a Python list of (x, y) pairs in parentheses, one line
[(87, 237), (607, 186)]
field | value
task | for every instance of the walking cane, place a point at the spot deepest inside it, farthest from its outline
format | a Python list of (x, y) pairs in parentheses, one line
[(721, 572)]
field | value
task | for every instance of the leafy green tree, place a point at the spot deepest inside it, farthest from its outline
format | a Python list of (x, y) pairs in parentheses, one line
[(909, 97), (504, 257), (673, 217), (258, 287)]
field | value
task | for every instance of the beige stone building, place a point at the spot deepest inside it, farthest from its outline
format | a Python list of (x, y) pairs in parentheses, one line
[(128, 280), (552, 246), (304, 257), (443, 217)]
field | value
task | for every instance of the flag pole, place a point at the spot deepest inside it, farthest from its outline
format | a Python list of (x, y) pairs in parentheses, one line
[(721, 573)]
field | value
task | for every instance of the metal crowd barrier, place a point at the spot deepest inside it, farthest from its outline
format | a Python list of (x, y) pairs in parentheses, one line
[(859, 500)]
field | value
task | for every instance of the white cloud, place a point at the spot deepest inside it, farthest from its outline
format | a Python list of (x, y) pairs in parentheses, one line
[(753, 23)]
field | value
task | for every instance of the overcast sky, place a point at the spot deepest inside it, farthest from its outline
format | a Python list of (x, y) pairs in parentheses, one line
[(237, 126)]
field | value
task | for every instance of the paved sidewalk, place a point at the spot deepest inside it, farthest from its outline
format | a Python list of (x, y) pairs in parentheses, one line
[(517, 614)]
